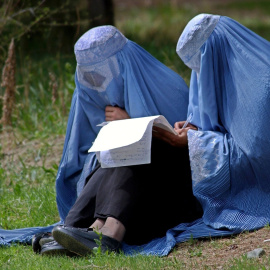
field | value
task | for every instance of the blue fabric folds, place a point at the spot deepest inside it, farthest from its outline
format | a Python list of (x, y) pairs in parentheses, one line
[(21, 235), (230, 97)]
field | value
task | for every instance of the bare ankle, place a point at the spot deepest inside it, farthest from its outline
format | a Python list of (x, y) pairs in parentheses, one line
[(114, 229), (98, 224)]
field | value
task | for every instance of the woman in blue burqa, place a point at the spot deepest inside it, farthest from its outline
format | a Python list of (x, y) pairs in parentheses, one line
[(230, 150), (117, 79)]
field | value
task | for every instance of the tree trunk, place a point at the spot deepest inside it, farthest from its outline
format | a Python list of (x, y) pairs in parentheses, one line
[(101, 12)]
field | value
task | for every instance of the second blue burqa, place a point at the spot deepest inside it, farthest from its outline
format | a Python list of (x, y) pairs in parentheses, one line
[(230, 153), (229, 99)]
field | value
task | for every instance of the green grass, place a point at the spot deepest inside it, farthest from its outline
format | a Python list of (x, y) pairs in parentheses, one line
[(28, 197), (9, 259), (35, 113), (27, 175), (247, 264)]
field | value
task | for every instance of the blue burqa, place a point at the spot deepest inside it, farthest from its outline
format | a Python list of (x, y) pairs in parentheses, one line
[(229, 100), (111, 70), (230, 153)]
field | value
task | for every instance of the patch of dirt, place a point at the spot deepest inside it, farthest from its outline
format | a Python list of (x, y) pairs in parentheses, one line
[(219, 253)]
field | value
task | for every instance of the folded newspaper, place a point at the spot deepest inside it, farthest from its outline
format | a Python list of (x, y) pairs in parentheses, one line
[(127, 142)]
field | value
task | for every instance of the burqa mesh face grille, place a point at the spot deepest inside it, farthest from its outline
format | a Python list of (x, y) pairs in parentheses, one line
[(98, 77)]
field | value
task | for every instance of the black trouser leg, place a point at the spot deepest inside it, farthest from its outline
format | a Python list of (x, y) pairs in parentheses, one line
[(148, 199)]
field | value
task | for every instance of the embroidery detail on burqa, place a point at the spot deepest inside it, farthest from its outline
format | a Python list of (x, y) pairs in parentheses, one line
[(197, 160), (97, 77), (201, 166), (193, 37), (98, 44)]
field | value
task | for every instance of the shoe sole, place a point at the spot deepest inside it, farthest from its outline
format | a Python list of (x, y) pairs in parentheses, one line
[(73, 242), (57, 252)]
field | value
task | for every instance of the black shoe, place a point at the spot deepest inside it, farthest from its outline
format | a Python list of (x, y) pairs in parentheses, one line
[(53, 248), (45, 240), (40, 239), (83, 241)]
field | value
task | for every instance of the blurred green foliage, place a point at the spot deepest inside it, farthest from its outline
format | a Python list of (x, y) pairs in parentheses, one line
[(35, 24), (49, 25), (45, 32)]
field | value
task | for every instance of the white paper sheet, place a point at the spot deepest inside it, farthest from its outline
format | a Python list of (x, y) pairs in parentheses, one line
[(127, 142), (133, 154)]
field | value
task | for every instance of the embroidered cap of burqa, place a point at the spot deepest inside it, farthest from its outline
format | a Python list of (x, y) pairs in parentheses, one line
[(229, 100), (111, 70)]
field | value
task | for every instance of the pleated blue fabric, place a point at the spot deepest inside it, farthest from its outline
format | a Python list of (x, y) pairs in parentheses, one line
[(111, 70), (229, 99)]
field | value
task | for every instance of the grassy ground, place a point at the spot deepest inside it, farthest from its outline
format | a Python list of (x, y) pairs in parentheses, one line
[(30, 151)]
